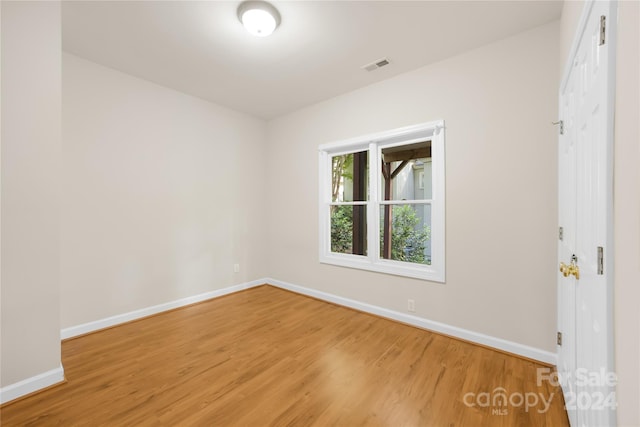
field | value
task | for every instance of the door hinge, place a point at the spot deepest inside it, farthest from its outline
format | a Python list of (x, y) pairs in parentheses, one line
[(560, 124), (603, 29), (559, 338), (600, 260), (560, 233)]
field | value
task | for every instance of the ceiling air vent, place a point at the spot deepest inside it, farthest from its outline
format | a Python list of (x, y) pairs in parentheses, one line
[(376, 64)]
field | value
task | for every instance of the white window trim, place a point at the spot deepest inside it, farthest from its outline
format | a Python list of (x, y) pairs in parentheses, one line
[(374, 143)]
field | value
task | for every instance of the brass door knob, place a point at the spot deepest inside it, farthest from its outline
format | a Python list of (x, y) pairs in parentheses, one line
[(570, 269)]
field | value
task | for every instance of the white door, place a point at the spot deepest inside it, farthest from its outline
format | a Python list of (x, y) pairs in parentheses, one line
[(567, 248), (585, 357)]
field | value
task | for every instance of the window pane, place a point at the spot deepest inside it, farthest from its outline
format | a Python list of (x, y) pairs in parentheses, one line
[(349, 229), (405, 233), (350, 177), (406, 172)]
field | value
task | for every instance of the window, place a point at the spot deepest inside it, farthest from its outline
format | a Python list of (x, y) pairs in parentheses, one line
[(382, 202)]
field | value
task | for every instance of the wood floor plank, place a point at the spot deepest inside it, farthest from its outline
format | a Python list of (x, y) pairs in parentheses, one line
[(269, 357)]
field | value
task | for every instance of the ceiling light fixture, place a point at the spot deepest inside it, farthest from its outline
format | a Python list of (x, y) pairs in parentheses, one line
[(259, 17)]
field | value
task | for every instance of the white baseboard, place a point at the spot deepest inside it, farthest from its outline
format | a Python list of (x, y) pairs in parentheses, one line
[(465, 334), (475, 337), (30, 385), (96, 325)]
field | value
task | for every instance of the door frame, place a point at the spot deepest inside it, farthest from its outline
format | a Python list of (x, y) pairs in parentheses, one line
[(611, 40)]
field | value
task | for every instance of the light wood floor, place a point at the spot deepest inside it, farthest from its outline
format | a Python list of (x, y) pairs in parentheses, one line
[(270, 357)]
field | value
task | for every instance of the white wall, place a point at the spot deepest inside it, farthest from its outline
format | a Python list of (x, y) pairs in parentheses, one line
[(162, 194), (30, 325), (627, 215), (498, 102), (627, 219)]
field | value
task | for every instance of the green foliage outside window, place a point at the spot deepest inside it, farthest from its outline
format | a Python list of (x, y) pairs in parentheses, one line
[(342, 229), (408, 241)]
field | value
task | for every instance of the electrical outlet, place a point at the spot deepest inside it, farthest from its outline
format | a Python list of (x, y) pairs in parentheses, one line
[(236, 268), (411, 306)]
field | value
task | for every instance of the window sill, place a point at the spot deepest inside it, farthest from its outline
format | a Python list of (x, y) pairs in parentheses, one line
[(396, 268)]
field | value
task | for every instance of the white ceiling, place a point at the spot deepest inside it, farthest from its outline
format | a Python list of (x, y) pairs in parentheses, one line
[(201, 48)]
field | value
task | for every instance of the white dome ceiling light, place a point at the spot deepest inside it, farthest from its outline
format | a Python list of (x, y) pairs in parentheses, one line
[(259, 17)]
